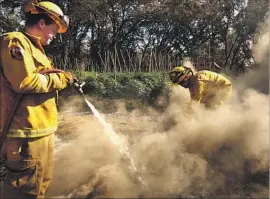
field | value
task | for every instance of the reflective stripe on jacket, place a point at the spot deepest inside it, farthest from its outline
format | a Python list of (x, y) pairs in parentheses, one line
[(22, 58)]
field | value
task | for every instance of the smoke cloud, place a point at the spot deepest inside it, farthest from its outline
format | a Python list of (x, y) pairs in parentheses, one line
[(180, 153), (259, 78)]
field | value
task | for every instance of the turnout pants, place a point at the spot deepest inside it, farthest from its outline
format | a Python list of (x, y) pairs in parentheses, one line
[(29, 162)]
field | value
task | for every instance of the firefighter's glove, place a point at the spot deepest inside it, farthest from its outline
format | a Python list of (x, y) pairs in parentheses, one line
[(71, 79)]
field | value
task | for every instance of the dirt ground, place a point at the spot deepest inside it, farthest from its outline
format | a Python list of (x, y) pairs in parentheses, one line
[(177, 151), (91, 167)]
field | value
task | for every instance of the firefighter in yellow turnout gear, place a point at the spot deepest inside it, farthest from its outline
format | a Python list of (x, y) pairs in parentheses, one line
[(26, 70), (205, 87)]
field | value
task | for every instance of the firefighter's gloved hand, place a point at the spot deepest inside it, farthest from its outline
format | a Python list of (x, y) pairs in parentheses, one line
[(71, 79)]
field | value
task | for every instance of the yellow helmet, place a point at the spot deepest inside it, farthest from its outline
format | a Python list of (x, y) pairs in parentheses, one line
[(179, 73), (52, 10)]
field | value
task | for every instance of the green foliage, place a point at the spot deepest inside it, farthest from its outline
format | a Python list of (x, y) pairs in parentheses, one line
[(125, 85), (147, 36)]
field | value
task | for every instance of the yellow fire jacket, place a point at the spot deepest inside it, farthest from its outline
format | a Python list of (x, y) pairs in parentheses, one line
[(209, 88), (22, 58)]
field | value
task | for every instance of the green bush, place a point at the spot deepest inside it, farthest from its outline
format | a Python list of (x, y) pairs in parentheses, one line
[(143, 86)]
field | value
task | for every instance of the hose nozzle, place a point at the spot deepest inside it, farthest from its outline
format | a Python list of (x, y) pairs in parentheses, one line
[(78, 86)]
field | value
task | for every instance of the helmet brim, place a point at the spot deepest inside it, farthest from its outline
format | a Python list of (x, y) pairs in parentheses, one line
[(30, 8), (61, 21)]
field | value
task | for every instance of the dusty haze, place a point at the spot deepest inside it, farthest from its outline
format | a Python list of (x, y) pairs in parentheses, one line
[(194, 153)]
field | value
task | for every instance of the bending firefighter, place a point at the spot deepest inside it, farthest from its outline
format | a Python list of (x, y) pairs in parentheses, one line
[(28, 85), (205, 87)]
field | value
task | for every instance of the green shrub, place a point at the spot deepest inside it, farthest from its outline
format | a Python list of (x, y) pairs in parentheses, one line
[(124, 85)]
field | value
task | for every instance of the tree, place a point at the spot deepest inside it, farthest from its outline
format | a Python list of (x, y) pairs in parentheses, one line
[(143, 35)]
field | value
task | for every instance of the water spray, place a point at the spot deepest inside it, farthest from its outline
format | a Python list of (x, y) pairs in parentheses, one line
[(115, 138)]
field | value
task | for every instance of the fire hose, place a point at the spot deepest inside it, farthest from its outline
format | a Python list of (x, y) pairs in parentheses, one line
[(3, 137), (18, 99), (9, 120), (78, 87)]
